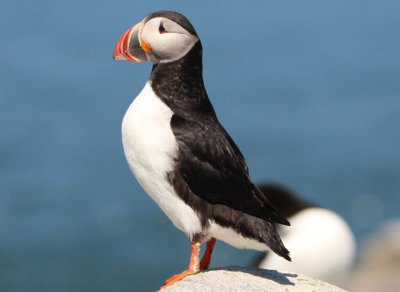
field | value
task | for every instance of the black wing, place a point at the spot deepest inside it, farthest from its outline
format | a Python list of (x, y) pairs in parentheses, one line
[(214, 168)]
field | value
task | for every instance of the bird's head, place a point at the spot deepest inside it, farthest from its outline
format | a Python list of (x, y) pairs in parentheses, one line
[(161, 37)]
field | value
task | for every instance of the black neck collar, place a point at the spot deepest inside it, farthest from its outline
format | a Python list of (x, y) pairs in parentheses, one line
[(179, 84)]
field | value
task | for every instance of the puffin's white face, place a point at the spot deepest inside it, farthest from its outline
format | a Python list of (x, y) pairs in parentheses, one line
[(168, 40), (159, 40)]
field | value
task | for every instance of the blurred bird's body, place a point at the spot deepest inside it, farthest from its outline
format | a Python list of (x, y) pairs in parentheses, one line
[(322, 244)]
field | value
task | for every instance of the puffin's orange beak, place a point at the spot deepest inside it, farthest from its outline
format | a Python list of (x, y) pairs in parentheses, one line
[(128, 46)]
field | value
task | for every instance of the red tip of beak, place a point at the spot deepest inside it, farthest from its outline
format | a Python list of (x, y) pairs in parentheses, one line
[(121, 49)]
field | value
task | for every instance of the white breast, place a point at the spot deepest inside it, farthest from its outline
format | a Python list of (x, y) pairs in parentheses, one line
[(150, 149)]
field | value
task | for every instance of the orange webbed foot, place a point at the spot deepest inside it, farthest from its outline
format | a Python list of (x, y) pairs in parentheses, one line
[(194, 266), (178, 277)]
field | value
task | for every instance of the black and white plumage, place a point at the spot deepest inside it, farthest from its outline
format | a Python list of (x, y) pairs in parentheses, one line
[(180, 153)]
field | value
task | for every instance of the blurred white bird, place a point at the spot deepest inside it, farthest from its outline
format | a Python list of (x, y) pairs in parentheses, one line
[(321, 243)]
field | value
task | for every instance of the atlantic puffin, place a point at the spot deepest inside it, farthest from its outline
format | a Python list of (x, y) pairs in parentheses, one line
[(180, 153), (320, 240)]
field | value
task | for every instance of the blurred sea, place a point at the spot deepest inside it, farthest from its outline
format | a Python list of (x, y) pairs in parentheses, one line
[(309, 90)]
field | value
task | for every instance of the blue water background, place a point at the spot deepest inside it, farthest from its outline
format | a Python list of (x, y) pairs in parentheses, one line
[(309, 90)]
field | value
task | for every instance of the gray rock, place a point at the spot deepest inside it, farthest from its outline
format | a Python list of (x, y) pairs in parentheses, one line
[(379, 264), (250, 280)]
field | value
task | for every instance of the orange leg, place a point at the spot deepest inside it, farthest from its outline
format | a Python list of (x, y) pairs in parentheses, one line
[(194, 266), (205, 261)]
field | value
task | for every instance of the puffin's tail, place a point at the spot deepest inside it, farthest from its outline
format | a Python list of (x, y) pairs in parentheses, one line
[(248, 226), (264, 231), (274, 241)]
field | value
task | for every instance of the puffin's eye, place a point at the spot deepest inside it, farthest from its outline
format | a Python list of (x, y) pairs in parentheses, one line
[(161, 28)]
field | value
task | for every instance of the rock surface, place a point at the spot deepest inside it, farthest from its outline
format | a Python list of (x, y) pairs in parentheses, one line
[(250, 280), (379, 264)]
